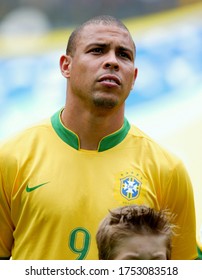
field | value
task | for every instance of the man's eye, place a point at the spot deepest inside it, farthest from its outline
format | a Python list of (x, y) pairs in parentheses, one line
[(125, 55), (96, 50)]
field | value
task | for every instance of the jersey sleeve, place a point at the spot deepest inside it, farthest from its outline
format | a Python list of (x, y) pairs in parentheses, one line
[(179, 199), (6, 225)]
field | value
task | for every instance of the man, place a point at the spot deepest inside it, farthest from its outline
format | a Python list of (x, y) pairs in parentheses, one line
[(135, 232), (59, 178)]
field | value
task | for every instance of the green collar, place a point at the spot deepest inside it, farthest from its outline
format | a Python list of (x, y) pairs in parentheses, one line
[(72, 139)]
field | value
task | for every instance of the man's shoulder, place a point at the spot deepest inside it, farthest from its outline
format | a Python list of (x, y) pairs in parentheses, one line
[(152, 146), (27, 135), (137, 132)]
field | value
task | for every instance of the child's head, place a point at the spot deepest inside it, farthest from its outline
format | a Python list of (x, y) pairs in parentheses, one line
[(134, 232)]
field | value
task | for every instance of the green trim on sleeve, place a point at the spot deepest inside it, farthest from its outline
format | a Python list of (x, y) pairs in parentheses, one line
[(199, 253)]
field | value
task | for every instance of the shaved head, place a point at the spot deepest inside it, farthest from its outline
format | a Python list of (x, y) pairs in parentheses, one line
[(104, 20)]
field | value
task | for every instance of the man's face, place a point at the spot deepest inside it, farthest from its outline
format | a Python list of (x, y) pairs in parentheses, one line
[(101, 70), (142, 247)]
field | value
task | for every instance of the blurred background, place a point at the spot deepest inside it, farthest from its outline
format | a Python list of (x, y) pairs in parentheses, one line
[(166, 101)]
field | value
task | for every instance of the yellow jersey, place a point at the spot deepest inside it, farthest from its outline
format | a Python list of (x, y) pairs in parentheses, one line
[(53, 194)]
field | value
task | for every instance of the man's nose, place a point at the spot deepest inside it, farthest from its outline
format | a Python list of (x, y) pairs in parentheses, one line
[(111, 61)]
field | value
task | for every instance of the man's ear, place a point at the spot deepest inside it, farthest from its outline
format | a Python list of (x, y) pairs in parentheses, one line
[(65, 65), (135, 76)]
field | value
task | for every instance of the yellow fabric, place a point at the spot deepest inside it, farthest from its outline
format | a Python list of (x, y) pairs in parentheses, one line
[(75, 189)]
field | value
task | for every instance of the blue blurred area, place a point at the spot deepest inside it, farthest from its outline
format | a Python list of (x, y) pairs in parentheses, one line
[(168, 63), (169, 60)]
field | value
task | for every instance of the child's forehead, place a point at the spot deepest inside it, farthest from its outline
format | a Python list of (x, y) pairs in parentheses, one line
[(142, 246)]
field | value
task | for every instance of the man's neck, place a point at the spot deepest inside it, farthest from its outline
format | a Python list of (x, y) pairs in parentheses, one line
[(91, 128)]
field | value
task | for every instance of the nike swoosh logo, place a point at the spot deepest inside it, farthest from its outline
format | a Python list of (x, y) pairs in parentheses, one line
[(28, 189)]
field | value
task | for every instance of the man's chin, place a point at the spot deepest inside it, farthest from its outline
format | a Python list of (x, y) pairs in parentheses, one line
[(105, 104)]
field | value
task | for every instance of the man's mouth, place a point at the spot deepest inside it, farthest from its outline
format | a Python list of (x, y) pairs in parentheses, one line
[(110, 80)]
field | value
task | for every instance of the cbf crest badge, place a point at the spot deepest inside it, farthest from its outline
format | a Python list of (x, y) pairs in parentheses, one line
[(129, 185)]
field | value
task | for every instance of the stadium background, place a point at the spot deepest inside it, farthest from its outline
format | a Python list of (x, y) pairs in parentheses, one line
[(167, 98)]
